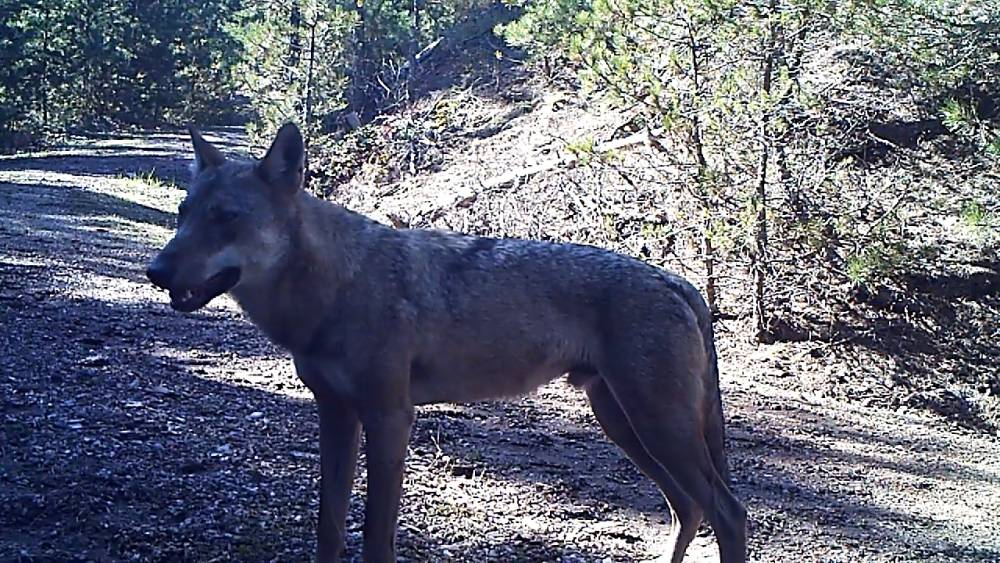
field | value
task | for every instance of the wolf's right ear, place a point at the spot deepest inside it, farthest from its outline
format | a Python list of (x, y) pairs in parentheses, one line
[(205, 154), (284, 164)]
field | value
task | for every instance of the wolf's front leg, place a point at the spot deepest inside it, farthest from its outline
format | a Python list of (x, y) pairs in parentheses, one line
[(387, 433), (338, 445)]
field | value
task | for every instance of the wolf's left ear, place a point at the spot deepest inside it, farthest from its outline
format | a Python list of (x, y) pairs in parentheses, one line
[(284, 164), (205, 153)]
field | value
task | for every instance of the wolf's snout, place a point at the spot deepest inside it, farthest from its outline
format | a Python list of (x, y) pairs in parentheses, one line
[(160, 274)]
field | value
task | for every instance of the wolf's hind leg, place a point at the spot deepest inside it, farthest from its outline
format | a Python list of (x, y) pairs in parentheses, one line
[(685, 514), (671, 429)]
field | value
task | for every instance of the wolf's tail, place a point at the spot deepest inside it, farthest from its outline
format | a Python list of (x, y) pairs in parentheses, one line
[(715, 423)]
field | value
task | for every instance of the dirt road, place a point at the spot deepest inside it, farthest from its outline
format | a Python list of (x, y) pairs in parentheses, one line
[(131, 432)]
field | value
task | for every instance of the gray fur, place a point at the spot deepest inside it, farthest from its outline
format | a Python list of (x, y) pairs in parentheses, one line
[(379, 320)]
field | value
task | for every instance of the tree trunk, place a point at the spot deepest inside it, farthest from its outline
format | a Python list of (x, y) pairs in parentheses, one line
[(309, 94), (708, 249), (758, 257), (46, 80), (414, 47), (358, 98), (294, 46), (309, 81)]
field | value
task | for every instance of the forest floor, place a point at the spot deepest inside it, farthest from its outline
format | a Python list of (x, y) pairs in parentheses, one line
[(132, 432)]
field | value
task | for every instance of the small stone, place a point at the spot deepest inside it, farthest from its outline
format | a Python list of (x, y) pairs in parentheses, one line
[(95, 361)]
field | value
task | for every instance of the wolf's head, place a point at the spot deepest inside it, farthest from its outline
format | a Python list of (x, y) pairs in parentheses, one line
[(234, 225)]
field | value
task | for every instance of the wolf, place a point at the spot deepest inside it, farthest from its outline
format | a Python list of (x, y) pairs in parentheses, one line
[(379, 320)]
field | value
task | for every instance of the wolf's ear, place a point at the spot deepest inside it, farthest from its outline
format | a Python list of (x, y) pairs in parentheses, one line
[(284, 164), (205, 153)]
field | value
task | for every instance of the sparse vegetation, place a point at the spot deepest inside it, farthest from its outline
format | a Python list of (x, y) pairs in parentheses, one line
[(744, 98), (982, 226), (582, 148), (148, 180)]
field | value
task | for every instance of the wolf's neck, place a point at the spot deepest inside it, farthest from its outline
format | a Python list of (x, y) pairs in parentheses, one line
[(326, 250), (326, 243)]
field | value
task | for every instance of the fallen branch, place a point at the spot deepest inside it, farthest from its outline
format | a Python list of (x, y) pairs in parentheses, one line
[(500, 123), (510, 179), (464, 31), (516, 177), (465, 196), (642, 137)]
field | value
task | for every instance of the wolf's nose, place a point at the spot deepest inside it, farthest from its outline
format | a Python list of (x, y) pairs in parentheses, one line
[(160, 275)]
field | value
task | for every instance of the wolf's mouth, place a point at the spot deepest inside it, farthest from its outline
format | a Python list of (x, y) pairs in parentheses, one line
[(194, 298)]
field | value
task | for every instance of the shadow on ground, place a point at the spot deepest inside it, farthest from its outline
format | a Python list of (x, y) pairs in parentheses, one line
[(939, 332), (165, 155)]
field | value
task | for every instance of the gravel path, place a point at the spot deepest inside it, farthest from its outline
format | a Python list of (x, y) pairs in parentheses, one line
[(130, 431)]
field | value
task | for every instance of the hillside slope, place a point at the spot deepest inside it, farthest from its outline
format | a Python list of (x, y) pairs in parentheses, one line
[(495, 148)]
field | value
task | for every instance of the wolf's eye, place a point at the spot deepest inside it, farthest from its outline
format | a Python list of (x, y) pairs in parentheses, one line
[(223, 215)]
